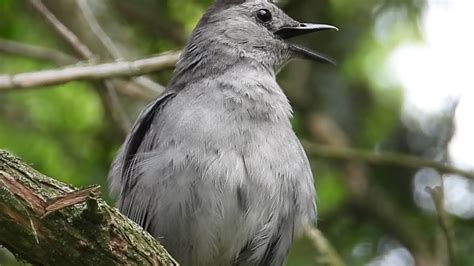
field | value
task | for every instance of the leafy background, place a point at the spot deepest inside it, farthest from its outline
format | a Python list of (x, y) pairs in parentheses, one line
[(370, 214)]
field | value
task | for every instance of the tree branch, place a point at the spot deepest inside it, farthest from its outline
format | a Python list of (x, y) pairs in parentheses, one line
[(133, 89), (36, 52), (97, 30), (111, 48), (383, 158), (71, 38), (106, 90), (89, 72), (327, 254), (152, 23), (365, 197), (38, 215), (445, 223)]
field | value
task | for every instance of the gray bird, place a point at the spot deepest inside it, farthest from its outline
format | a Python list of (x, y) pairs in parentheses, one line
[(212, 168)]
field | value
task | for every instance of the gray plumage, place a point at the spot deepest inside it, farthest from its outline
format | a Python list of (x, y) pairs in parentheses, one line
[(212, 168)]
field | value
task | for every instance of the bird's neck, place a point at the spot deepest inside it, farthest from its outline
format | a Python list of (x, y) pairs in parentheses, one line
[(248, 79), (202, 62), (255, 93), (245, 84)]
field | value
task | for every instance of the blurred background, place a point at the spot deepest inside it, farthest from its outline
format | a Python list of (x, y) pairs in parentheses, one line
[(404, 84)]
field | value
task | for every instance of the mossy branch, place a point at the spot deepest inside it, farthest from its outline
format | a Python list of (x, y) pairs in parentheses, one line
[(46, 222)]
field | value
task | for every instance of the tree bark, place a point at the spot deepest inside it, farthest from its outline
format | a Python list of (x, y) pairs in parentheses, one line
[(46, 222), (88, 72)]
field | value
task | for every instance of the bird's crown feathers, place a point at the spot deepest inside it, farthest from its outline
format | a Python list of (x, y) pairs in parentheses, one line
[(238, 2)]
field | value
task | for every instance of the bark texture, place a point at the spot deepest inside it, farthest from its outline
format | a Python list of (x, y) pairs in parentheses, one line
[(46, 222)]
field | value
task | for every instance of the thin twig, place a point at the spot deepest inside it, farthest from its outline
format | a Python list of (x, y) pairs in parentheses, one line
[(133, 90), (84, 52), (151, 22), (88, 72), (65, 33), (384, 158), (98, 31), (438, 199), (115, 107), (327, 254), (35, 52), (111, 48), (148, 83)]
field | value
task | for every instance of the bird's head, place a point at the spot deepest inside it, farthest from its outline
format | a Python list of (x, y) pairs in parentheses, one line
[(256, 29)]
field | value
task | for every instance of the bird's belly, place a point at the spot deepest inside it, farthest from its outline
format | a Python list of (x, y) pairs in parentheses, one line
[(216, 200), (224, 179)]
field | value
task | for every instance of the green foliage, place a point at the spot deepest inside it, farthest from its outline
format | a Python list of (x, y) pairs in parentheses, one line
[(333, 195), (186, 12), (66, 148)]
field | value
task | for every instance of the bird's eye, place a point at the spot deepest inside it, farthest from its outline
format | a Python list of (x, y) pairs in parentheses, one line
[(264, 15)]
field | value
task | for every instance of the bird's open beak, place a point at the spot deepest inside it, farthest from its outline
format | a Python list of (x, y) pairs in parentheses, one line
[(301, 29)]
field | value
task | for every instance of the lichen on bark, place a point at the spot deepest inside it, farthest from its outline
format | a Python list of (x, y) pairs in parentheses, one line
[(44, 221)]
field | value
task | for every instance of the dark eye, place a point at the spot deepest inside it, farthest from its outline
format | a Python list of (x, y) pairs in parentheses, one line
[(264, 15)]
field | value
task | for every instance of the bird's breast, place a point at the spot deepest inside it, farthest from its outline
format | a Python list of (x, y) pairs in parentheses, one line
[(226, 170)]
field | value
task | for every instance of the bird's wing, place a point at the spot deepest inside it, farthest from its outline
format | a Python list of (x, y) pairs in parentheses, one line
[(124, 173)]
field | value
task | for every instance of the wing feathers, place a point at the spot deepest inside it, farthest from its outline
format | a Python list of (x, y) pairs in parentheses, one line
[(124, 173)]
